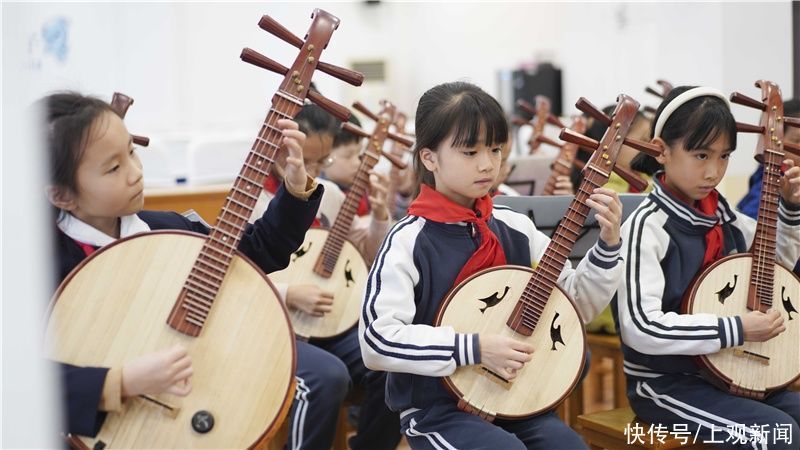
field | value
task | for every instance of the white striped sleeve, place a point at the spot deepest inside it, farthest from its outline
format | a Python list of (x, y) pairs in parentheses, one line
[(644, 326), (389, 339)]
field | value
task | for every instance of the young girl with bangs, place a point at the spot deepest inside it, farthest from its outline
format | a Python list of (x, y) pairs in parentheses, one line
[(452, 231), (682, 227)]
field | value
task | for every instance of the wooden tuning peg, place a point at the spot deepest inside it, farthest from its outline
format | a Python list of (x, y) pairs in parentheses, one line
[(120, 103), (742, 99), (337, 110), (568, 135), (360, 107), (791, 122), (554, 120), (350, 128), (272, 26), (397, 162), (546, 140), (348, 76), (401, 139), (251, 56), (586, 106), (747, 128), (527, 107)]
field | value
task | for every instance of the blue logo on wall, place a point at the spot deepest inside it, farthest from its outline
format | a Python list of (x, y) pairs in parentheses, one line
[(55, 35), (52, 40)]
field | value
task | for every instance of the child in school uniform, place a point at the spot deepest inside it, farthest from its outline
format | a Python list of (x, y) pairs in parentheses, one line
[(97, 187), (683, 226), (325, 368), (452, 231)]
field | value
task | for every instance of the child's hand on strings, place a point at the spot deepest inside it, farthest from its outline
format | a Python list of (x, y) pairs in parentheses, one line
[(164, 371), (609, 213), (378, 191), (790, 182), (760, 327), (310, 299), (503, 355), (294, 174)]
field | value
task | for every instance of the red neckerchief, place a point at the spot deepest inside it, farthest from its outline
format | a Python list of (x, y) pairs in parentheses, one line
[(87, 249), (271, 185), (434, 206), (714, 238)]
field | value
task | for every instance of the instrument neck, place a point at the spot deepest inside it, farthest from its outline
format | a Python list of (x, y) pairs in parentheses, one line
[(528, 311), (344, 220), (205, 279), (764, 241)]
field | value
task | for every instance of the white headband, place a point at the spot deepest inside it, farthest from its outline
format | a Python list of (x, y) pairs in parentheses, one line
[(683, 98)]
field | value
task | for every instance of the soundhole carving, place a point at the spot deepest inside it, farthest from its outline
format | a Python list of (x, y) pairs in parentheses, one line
[(726, 292), (555, 333), (787, 303), (348, 274), (493, 300), (301, 252)]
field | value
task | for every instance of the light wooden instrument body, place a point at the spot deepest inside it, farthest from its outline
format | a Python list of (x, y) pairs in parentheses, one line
[(347, 283), (114, 307), (728, 280), (544, 381)]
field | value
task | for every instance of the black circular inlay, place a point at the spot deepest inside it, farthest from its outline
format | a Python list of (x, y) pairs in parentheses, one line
[(202, 421)]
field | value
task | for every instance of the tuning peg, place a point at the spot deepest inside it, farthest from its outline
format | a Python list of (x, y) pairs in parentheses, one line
[(337, 110), (747, 128), (140, 140), (644, 147), (348, 76), (251, 56), (272, 26), (666, 85), (546, 140), (650, 110), (527, 107), (792, 148), (397, 162), (349, 127), (401, 139), (364, 110), (553, 120), (742, 99), (120, 103), (650, 90), (586, 106), (568, 135), (791, 122)]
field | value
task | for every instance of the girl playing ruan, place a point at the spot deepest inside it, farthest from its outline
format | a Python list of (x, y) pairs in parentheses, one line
[(452, 231), (96, 186)]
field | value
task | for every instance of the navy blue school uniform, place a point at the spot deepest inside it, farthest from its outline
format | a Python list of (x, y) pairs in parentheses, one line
[(415, 268), (269, 243), (664, 246)]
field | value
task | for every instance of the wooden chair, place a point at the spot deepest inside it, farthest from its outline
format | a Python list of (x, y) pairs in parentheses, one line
[(607, 430)]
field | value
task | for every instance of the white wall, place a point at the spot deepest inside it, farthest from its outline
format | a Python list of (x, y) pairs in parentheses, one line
[(181, 61)]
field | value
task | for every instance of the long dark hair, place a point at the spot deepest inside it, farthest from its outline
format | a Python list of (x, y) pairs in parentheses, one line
[(458, 109), (698, 123)]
